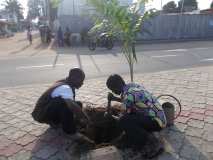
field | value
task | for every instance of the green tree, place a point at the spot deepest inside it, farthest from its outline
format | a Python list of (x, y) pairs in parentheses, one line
[(170, 7), (192, 4), (123, 21), (13, 6), (53, 9), (35, 8), (211, 5), (55, 3)]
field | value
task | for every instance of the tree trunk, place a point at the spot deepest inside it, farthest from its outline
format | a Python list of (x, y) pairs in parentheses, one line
[(131, 68), (129, 54)]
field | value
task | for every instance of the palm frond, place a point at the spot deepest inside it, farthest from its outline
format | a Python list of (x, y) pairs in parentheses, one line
[(55, 3), (123, 21)]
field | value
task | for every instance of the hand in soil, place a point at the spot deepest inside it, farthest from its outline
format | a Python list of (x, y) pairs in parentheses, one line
[(107, 114), (110, 96)]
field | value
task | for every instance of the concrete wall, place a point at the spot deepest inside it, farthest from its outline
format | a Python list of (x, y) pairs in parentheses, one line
[(71, 7), (8, 16), (171, 27), (74, 14), (75, 23), (78, 7)]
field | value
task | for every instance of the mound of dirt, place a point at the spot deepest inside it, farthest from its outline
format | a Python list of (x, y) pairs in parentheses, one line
[(104, 128)]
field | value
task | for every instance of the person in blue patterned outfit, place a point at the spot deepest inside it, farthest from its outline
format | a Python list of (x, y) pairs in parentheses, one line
[(144, 114)]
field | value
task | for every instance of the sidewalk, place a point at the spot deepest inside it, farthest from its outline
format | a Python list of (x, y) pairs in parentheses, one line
[(191, 138), (19, 46)]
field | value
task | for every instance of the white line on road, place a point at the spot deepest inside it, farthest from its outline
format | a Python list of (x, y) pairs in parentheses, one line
[(201, 48), (207, 59), (163, 56), (41, 66), (177, 50)]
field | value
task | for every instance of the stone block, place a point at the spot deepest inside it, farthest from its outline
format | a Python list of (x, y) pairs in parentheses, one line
[(195, 132), (46, 152), (197, 116), (190, 152), (106, 153), (26, 139), (182, 119), (196, 123), (198, 110), (22, 155), (10, 150), (208, 119), (180, 127), (209, 113)]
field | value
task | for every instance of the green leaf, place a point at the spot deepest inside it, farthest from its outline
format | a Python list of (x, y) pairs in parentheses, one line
[(124, 22), (55, 3)]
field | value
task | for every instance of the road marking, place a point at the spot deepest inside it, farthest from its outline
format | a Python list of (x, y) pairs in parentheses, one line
[(41, 66), (163, 56), (177, 50), (201, 48), (207, 59)]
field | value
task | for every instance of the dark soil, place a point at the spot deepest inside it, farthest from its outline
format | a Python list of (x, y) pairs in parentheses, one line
[(104, 129)]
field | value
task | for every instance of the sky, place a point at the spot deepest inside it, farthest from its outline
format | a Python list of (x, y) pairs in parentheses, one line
[(23, 3), (203, 4)]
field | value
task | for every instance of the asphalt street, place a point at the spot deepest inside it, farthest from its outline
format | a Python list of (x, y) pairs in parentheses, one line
[(22, 70)]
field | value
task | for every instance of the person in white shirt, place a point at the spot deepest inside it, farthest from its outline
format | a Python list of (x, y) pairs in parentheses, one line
[(57, 105)]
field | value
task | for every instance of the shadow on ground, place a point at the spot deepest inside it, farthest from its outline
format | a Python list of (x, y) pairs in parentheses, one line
[(54, 144), (178, 145), (20, 50)]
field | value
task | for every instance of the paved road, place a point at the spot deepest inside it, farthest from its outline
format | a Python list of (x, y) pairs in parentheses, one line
[(29, 69)]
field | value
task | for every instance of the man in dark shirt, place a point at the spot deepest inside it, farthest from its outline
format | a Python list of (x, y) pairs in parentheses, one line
[(57, 105)]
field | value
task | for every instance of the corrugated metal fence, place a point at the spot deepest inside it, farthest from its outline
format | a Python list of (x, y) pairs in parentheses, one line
[(177, 26), (162, 27)]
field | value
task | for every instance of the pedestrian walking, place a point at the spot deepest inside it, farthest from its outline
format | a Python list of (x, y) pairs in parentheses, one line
[(29, 35), (60, 37), (67, 35)]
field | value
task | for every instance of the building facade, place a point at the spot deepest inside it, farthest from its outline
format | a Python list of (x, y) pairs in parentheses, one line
[(78, 7), (74, 14), (10, 17)]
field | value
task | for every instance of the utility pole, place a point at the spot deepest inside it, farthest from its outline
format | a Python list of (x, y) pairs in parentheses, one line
[(181, 15), (182, 6), (73, 5), (47, 9), (161, 6)]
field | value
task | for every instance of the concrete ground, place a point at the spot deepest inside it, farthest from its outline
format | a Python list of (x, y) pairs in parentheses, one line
[(42, 63), (181, 69), (191, 138), (18, 46)]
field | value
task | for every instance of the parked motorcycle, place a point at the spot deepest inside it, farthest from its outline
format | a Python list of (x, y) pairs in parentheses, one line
[(104, 40)]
